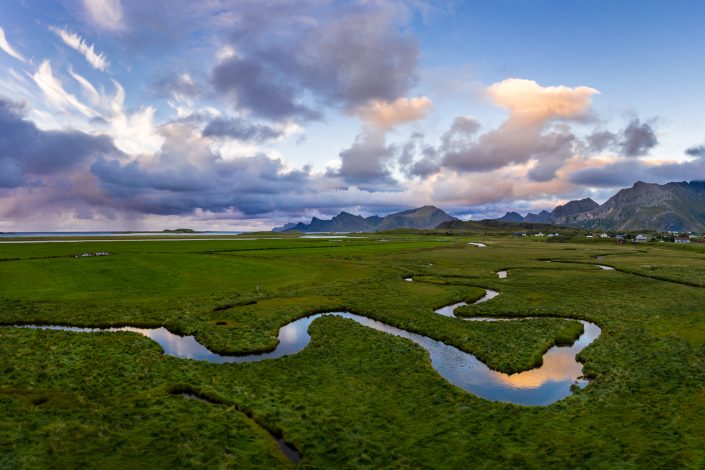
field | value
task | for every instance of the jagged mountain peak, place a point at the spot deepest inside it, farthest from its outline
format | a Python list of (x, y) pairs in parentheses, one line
[(424, 217)]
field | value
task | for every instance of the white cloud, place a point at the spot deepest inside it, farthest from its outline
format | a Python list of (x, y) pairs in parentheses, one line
[(133, 133), (388, 114), (87, 86), (5, 46), (97, 59), (55, 93), (106, 14), (529, 101)]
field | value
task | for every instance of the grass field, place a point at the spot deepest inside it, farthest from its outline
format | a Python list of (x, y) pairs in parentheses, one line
[(354, 398)]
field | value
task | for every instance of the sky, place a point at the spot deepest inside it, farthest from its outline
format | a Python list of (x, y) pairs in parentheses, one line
[(246, 114)]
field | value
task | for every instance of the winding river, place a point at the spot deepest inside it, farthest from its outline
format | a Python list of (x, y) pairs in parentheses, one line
[(544, 385)]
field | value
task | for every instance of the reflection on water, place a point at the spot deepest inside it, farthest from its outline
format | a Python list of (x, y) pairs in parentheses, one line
[(606, 268), (479, 245), (541, 386), (408, 279), (449, 310), (502, 274)]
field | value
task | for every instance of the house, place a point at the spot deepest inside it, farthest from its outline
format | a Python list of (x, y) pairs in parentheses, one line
[(540, 234), (604, 235), (641, 238), (682, 240)]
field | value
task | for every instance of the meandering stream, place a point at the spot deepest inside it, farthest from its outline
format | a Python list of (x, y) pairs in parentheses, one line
[(543, 385)]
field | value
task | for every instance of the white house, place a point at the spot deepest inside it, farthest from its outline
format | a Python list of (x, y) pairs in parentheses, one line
[(641, 238), (604, 235)]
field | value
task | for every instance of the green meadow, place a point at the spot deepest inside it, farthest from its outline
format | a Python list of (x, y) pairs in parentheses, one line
[(355, 397)]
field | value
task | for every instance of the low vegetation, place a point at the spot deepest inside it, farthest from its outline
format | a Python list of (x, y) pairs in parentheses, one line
[(354, 397)]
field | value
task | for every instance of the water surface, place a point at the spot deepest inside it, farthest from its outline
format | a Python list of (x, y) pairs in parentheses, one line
[(541, 386), (606, 268)]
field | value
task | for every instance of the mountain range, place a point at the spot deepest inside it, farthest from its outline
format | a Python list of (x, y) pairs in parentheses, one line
[(425, 217), (678, 206)]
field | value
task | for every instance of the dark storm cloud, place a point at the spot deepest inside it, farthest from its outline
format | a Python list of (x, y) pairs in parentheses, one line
[(241, 129), (428, 164), (188, 175), (601, 140), (614, 175), (461, 149), (696, 151), (637, 139), (366, 163), (292, 57), (261, 89), (26, 152), (626, 172), (556, 148)]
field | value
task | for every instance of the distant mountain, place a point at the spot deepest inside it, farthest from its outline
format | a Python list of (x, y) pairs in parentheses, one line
[(645, 206), (543, 217), (511, 217), (284, 228), (574, 207), (425, 217)]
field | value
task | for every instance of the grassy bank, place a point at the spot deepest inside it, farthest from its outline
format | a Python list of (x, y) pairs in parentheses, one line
[(354, 397)]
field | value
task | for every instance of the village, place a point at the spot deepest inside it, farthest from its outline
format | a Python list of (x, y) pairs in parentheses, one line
[(661, 237)]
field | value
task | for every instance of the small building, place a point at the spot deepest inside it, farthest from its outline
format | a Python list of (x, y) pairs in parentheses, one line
[(604, 235), (641, 238), (682, 240), (540, 234)]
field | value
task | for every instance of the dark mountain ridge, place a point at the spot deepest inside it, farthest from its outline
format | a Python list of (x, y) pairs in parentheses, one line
[(677, 206), (425, 217)]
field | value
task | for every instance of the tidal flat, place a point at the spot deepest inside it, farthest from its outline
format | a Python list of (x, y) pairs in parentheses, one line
[(353, 397)]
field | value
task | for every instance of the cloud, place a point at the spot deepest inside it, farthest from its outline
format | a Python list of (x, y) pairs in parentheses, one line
[(601, 140), (181, 86), (637, 139), (87, 86), (97, 60), (696, 151), (241, 129), (387, 115), (55, 92), (255, 87), (366, 163), (106, 14), (530, 131), (5, 46), (293, 57), (623, 173), (188, 175), (529, 101), (133, 133), (28, 155)]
